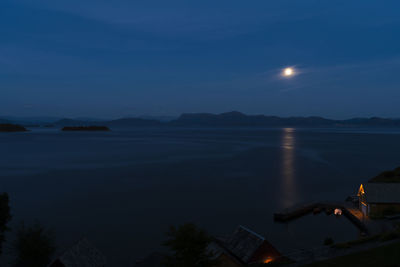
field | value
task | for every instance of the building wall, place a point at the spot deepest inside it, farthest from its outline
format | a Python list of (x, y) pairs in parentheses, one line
[(226, 261), (264, 252), (379, 210)]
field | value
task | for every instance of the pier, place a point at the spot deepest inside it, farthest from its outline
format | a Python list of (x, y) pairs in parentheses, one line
[(295, 212)]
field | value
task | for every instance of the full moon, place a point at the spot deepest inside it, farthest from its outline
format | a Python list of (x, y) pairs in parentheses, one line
[(287, 72)]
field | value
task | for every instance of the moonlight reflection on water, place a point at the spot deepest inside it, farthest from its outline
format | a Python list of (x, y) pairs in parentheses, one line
[(288, 185)]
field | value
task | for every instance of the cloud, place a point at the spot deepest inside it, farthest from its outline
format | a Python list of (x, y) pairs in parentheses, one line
[(346, 75), (179, 18)]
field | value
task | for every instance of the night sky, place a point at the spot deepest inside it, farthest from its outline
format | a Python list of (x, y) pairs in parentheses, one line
[(109, 59)]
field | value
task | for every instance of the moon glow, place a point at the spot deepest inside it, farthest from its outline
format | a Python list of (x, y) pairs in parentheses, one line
[(287, 72)]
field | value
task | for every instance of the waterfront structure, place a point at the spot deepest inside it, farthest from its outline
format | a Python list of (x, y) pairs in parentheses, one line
[(379, 199), (244, 247)]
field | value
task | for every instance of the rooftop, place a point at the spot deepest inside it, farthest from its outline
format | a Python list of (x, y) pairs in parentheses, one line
[(382, 192), (387, 177)]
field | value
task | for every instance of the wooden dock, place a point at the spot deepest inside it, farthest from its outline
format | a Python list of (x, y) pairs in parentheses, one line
[(315, 207), (295, 212)]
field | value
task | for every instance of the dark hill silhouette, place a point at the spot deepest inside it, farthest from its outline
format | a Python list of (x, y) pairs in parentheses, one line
[(239, 119), (392, 176), (373, 121), (236, 119), (4, 121)]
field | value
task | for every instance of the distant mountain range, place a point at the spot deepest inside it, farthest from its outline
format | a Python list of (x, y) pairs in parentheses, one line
[(229, 119), (29, 120), (234, 118), (4, 121)]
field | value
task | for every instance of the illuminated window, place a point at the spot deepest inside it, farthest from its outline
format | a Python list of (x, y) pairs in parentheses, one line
[(361, 191)]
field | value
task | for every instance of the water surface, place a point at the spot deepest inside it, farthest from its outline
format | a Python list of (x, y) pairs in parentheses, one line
[(122, 189)]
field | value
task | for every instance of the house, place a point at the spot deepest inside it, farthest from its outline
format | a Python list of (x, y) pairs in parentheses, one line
[(381, 195), (82, 254), (379, 199), (243, 247)]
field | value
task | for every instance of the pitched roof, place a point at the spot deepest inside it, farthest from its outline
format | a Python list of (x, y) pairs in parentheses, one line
[(382, 192), (82, 254), (243, 243), (392, 176)]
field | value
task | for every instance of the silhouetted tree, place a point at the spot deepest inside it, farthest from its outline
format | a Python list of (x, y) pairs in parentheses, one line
[(328, 241), (189, 246), (5, 217), (34, 246)]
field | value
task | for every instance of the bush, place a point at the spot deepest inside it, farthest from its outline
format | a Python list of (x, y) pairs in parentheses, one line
[(328, 241), (189, 246), (34, 246), (389, 236), (5, 217)]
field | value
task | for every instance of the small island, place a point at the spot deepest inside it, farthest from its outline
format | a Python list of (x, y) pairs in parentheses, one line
[(85, 128), (8, 127)]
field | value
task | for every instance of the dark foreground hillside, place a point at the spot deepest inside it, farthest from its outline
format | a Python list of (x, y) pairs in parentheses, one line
[(381, 256)]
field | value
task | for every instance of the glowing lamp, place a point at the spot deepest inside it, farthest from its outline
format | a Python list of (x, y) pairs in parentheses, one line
[(338, 212), (268, 260)]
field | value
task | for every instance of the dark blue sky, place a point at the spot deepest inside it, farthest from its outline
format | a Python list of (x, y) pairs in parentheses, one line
[(119, 58)]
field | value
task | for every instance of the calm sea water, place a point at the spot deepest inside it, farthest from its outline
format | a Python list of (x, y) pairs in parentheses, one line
[(122, 189)]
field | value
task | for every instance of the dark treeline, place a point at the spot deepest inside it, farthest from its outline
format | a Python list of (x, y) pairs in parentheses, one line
[(33, 245)]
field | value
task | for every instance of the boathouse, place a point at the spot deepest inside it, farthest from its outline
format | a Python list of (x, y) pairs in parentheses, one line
[(381, 195), (379, 199), (244, 247)]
